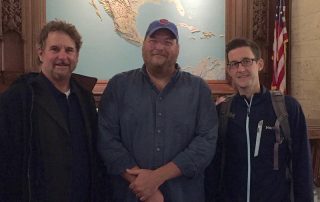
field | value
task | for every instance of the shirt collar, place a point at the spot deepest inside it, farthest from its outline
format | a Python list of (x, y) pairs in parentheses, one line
[(173, 78)]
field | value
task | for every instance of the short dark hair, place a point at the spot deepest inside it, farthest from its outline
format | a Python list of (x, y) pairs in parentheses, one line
[(243, 42), (61, 26)]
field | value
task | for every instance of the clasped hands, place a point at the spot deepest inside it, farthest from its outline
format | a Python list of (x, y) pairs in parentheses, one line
[(146, 185)]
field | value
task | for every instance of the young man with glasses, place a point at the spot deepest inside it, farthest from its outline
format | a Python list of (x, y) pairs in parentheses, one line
[(244, 168)]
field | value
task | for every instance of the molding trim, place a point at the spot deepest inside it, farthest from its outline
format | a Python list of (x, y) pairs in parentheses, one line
[(260, 21), (11, 16), (31, 27), (218, 88)]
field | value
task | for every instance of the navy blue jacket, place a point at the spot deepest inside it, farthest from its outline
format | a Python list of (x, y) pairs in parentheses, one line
[(266, 184)]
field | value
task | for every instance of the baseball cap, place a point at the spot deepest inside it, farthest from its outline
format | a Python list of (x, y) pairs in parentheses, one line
[(162, 24)]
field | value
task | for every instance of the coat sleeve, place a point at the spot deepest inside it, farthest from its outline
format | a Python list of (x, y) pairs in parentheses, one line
[(14, 129), (301, 155), (212, 177), (196, 157), (115, 156)]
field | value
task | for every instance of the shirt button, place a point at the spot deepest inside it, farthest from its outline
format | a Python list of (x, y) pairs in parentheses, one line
[(158, 131), (157, 149), (159, 114), (160, 98)]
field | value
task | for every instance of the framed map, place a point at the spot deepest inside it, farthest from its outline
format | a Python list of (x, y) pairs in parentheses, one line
[(113, 31)]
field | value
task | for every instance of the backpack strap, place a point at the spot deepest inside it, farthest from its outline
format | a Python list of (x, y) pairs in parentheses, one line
[(279, 107), (224, 115)]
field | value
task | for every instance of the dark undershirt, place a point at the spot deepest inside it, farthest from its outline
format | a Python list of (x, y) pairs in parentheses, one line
[(80, 170)]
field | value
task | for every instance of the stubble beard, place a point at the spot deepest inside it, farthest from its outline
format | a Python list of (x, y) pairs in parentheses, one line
[(62, 76)]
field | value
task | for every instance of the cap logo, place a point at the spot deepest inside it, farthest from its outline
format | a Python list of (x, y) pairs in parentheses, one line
[(162, 24), (164, 21)]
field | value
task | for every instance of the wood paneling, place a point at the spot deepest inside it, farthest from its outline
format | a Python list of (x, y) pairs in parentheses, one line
[(11, 41), (218, 88), (21, 21), (34, 17)]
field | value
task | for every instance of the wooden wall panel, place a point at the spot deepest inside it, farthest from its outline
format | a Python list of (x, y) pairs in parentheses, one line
[(20, 23), (11, 42), (32, 25)]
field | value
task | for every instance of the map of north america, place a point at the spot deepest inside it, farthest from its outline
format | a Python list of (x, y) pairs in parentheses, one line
[(124, 15)]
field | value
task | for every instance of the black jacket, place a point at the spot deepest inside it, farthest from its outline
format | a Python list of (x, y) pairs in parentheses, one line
[(21, 169), (266, 184)]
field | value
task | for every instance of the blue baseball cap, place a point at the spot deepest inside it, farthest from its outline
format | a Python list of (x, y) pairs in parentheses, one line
[(162, 24)]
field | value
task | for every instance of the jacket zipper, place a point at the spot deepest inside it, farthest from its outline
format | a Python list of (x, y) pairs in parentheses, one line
[(248, 148), (30, 146)]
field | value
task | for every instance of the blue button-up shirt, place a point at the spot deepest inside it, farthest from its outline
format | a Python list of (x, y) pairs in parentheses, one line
[(141, 126)]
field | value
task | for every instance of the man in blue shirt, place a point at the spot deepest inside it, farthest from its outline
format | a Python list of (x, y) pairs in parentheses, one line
[(157, 125)]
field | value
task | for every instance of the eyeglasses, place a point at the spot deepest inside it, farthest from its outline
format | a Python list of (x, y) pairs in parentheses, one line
[(245, 62)]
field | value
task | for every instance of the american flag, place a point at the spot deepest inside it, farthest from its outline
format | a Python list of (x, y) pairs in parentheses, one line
[(279, 48)]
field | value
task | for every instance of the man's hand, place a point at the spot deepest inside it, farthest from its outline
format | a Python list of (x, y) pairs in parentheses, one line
[(129, 177), (146, 183), (156, 197)]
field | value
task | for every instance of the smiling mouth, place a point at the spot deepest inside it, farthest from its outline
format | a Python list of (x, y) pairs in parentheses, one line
[(158, 54), (159, 57), (62, 65), (242, 76)]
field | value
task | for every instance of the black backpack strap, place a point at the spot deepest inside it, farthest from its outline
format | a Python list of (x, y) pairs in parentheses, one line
[(224, 115)]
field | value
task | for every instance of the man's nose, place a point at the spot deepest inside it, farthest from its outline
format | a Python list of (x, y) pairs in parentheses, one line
[(159, 45), (62, 54), (240, 67)]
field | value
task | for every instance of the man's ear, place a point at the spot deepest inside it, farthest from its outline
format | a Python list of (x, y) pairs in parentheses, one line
[(40, 52), (260, 64)]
